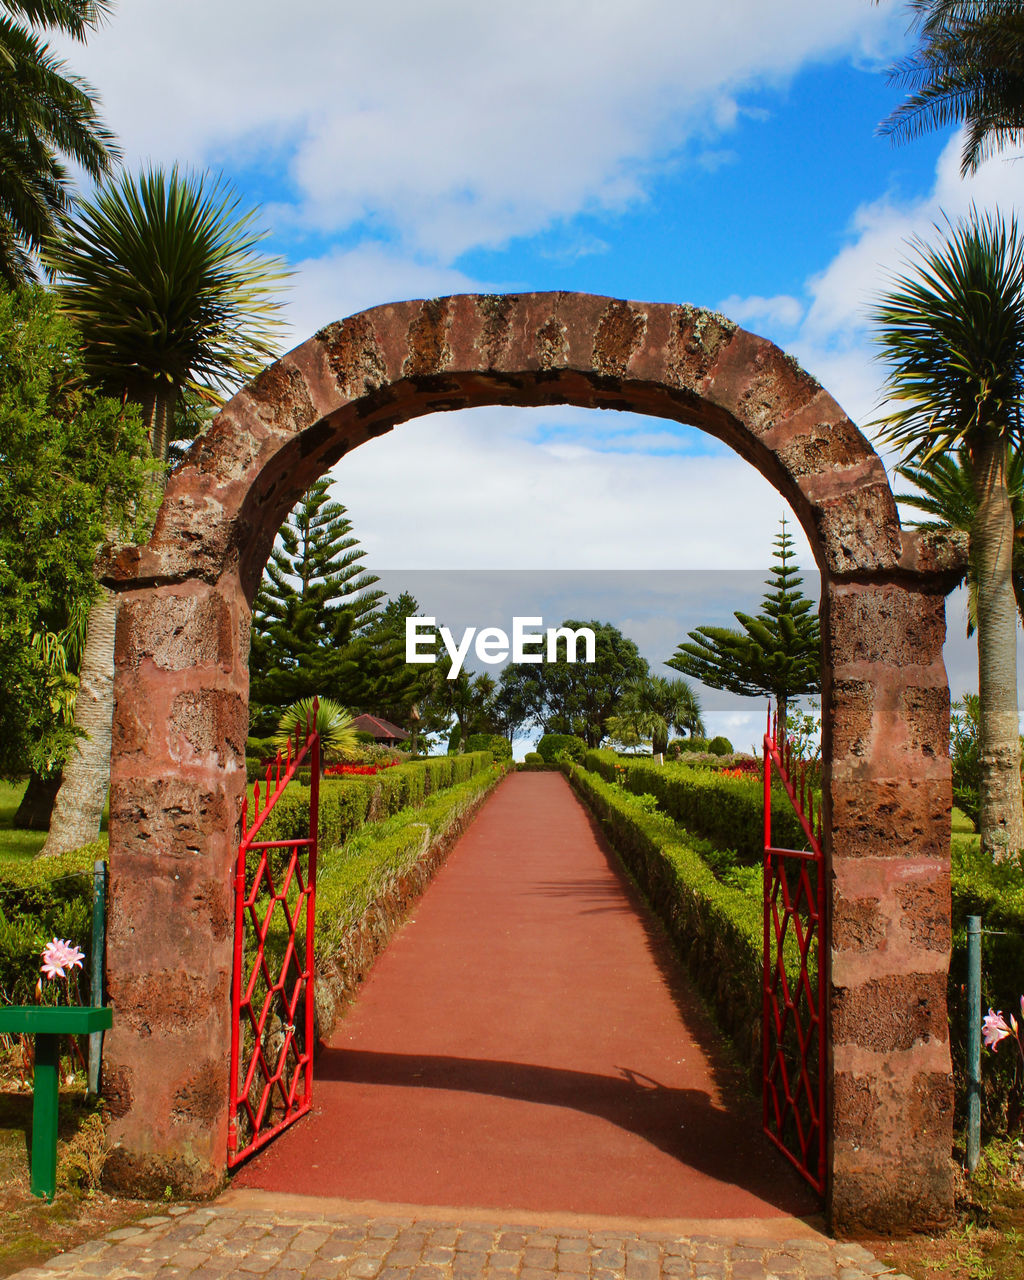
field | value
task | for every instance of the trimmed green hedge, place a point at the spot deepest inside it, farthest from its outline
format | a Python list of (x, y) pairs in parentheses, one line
[(347, 803), (728, 811), (717, 929)]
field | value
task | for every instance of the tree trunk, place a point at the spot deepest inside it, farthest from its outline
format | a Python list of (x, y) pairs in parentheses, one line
[(991, 548), (37, 803), (83, 793), (79, 806), (781, 704)]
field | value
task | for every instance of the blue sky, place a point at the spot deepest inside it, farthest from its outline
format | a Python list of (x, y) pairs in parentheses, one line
[(663, 150)]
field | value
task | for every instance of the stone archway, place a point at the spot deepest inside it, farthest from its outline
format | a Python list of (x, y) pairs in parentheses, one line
[(177, 770)]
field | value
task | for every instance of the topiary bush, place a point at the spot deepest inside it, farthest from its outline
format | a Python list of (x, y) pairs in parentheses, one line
[(552, 743), (498, 746), (720, 746)]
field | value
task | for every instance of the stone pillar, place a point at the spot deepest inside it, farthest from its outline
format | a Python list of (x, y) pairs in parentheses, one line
[(888, 796), (177, 779)]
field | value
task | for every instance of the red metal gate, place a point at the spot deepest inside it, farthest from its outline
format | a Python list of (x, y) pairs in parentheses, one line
[(272, 1025), (794, 1037)]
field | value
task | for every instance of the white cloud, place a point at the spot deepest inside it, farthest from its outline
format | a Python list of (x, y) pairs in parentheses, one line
[(345, 281), (473, 490), (451, 124), (832, 335), (781, 310)]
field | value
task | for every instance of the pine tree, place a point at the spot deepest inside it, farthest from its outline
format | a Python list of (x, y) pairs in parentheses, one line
[(388, 685), (315, 599), (778, 652)]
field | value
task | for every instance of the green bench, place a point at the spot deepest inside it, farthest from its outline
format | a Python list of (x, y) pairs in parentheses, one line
[(48, 1023)]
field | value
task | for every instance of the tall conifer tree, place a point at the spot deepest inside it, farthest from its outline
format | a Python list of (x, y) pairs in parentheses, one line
[(315, 599), (778, 652)]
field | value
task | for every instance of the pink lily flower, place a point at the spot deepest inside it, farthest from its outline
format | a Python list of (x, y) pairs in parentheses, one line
[(59, 956), (994, 1028)]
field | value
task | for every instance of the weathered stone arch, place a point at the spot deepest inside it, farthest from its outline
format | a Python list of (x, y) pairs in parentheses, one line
[(180, 720)]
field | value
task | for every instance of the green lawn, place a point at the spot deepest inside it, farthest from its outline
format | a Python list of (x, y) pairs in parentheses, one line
[(16, 845)]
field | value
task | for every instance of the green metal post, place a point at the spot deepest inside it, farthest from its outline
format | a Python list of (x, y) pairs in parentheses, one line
[(99, 945), (973, 1042), (44, 1117)]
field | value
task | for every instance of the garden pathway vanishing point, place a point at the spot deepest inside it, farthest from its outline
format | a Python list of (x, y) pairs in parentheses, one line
[(526, 1087)]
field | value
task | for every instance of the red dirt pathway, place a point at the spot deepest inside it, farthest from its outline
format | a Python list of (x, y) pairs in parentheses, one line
[(528, 1041)]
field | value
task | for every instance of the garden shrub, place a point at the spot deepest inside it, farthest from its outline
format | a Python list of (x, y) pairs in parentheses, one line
[(39, 900), (729, 811), (552, 743), (720, 746), (497, 745), (716, 928)]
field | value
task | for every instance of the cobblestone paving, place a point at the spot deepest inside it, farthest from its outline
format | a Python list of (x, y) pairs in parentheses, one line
[(217, 1241)]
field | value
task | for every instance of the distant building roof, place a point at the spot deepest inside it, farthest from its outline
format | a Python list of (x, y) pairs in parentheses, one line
[(378, 728)]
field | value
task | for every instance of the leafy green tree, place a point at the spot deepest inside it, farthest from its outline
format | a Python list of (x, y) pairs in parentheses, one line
[(952, 333), (163, 278), (968, 69), (518, 699), (579, 697), (651, 707), (47, 116), (316, 595), (777, 654), (68, 470)]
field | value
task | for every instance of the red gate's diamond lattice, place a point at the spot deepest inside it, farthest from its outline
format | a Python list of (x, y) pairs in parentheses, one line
[(272, 989), (794, 981)]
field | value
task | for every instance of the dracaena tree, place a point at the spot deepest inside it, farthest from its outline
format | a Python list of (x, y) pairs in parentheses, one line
[(163, 276), (946, 493), (951, 330)]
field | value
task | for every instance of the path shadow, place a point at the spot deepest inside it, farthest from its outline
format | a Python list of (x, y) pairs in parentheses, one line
[(683, 1123)]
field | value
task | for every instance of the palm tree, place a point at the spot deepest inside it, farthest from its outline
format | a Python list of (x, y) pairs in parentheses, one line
[(339, 737), (163, 277), (654, 705), (968, 69), (46, 113), (952, 333), (946, 492)]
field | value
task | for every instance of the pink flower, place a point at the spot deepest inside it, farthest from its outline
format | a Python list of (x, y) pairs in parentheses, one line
[(58, 956), (994, 1028)]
